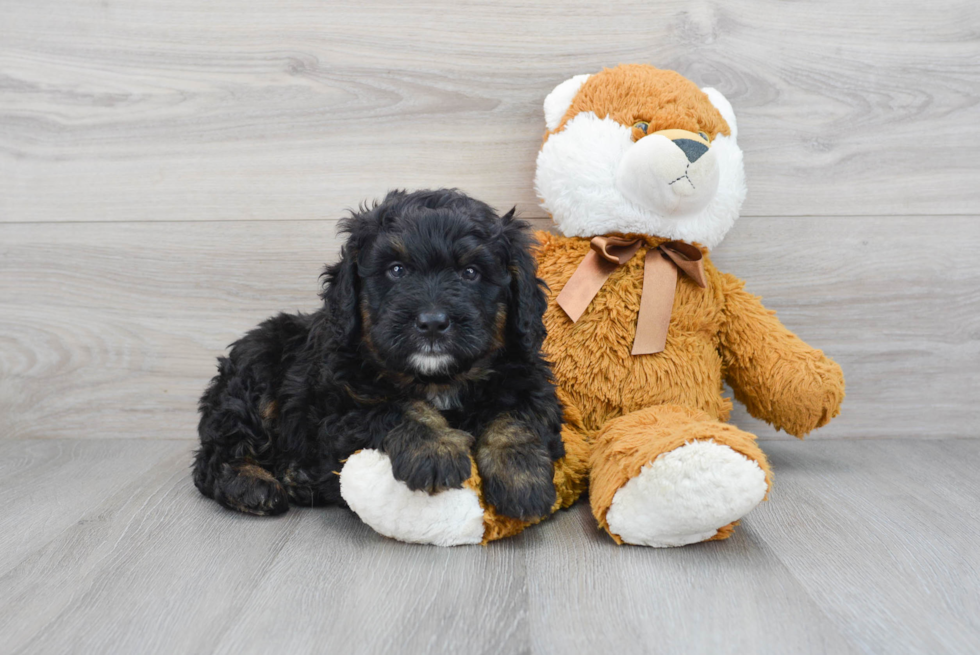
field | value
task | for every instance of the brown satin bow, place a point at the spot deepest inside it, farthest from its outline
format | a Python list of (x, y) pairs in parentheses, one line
[(659, 282)]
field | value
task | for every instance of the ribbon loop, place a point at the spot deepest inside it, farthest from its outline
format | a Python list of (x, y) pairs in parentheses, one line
[(614, 249), (660, 267), (686, 257)]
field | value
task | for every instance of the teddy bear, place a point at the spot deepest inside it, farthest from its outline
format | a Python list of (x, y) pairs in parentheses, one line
[(642, 175)]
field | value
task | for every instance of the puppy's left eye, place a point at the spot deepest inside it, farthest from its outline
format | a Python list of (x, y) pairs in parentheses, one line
[(397, 271), (470, 274)]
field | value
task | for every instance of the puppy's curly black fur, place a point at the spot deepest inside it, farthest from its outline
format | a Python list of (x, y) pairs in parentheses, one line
[(427, 347)]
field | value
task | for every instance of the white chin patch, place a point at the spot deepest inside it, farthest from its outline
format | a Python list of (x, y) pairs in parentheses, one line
[(429, 364), (449, 518), (579, 181), (684, 496)]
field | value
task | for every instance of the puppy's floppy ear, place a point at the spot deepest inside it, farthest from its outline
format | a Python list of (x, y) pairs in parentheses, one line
[(341, 284), (527, 299), (339, 294)]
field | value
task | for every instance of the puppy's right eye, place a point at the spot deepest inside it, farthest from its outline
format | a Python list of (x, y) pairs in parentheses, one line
[(397, 271)]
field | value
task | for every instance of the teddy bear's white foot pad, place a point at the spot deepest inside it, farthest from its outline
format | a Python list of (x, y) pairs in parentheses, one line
[(449, 518), (686, 495)]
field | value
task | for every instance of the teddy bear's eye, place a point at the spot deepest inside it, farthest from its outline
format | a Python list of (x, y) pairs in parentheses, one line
[(642, 126)]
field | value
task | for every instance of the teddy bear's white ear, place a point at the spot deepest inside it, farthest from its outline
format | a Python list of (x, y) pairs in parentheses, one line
[(560, 99), (724, 107)]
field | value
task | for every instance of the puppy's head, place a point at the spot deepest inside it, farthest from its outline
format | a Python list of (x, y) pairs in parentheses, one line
[(432, 282)]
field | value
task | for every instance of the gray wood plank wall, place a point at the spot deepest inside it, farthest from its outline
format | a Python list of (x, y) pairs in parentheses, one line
[(171, 173)]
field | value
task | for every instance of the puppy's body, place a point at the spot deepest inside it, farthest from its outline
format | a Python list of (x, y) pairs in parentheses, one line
[(427, 347)]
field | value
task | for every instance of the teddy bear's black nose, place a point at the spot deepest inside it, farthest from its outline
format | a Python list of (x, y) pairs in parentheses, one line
[(691, 148)]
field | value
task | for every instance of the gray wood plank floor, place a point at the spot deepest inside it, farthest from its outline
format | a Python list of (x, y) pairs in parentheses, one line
[(864, 546)]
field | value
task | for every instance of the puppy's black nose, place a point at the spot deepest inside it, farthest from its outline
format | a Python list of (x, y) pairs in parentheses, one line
[(432, 323)]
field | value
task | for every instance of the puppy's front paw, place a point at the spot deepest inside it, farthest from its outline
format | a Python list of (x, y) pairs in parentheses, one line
[(426, 454), (525, 495), (443, 463), (517, 473), (250, 489)]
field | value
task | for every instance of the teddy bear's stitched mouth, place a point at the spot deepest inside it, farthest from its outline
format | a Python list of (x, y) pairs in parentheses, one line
[(685, 176)]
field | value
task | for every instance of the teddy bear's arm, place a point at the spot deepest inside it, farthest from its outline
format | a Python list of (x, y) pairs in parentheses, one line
[(778, 377)]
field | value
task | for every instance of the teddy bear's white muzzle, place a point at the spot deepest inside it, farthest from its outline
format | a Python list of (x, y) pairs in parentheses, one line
[(669, 176)]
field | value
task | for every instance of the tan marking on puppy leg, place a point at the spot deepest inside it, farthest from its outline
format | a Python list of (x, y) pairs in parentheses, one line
[(504, 432), (255, 471), (270, 410), (426, 414)]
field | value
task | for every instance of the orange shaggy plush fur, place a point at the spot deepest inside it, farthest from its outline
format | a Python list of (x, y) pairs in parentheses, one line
[(662, 98)]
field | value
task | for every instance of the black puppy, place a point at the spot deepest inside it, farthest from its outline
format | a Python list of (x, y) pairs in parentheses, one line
[(427, 347)]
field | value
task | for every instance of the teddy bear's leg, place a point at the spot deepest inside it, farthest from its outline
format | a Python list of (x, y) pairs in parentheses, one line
[(452, 517), (670, 476)]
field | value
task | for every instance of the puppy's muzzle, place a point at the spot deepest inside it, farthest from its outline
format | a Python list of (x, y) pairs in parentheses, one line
[(670, 172), (432, 325)]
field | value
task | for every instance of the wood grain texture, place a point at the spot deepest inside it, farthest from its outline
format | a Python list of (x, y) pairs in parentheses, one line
[(112, 329), (737, 598), (864, 546), (49, 484), (375, 595), (883, 537), (239, 109), (149, 570)]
